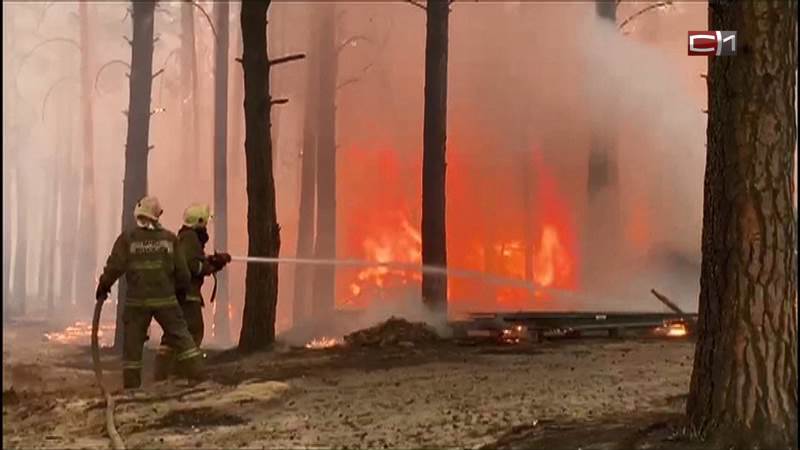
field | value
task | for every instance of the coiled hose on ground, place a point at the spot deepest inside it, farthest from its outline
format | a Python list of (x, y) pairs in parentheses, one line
[(111, 428)]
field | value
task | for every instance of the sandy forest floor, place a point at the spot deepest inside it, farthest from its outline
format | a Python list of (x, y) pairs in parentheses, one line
[(588, 394)]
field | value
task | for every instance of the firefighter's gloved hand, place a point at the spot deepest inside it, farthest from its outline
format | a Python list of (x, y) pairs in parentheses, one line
[(219, 260), (102, 292)]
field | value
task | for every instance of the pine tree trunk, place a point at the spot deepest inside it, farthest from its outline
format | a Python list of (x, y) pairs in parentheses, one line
[(744, 384), (8, 155), (434, 241), (21, 252), (308, 196), (87, 228), (261, 281), (69, 196), (237, 123), (137, 144), (221, 9), (188, 88), (324, 288)]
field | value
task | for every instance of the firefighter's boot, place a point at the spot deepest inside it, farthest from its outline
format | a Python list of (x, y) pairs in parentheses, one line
[(131, 378), (164, 363)]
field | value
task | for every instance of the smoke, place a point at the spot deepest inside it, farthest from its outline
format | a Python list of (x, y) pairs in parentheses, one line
[(525, 78)]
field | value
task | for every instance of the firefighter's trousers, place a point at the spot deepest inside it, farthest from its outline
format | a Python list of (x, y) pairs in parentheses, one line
[(176, 336), (166, 356)]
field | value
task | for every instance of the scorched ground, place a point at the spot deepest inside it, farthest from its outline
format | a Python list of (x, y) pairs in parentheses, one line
[(441, 395)]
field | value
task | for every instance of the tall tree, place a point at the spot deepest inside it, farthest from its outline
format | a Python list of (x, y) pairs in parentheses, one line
[(434, 233), (189, 94), (136, 146), (308, 197), (324, 285), (221, 10), (7, 165), (743, 390), (87, 228), (261, 281), (20, 292)]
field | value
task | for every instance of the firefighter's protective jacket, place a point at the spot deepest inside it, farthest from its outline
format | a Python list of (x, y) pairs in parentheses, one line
[(153, 266), (199, 266)]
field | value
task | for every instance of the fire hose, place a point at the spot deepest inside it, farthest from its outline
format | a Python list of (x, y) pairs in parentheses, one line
[(111, 428)]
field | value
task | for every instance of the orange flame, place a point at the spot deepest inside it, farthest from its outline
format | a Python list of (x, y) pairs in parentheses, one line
[(380, 225)]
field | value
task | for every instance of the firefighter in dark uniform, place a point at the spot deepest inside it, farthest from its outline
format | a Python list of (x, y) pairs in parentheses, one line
[(192, 238), (156, 274)]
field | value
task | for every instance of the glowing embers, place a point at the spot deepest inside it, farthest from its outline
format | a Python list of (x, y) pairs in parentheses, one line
[(323, 343), (672, 329), (81, 333)]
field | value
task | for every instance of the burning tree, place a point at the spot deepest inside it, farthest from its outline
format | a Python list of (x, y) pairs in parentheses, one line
[(744, 384), (261, 281), (136, 146)]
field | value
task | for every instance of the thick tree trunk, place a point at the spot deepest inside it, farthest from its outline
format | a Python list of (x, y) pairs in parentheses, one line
[(434, 241), (188, 88), (308, 196), (87, 229), (137, 146), (221, 9), (261, 281), (744, 384), (324, 288)]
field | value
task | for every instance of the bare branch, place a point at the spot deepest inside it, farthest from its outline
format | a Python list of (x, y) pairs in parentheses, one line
[(704, 76), (347, 82), (127, 13), (355, 79), (285, 59), (662, 4), (130, 42), (159, 72), (38, 46), (239, 60), (150, 147), (279, 101), (125, 112), (208, 18), (417, 4), (104, 66), (52, 88)]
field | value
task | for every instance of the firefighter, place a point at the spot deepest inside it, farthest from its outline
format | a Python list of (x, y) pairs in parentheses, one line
[(156, 274), (192, 238)]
